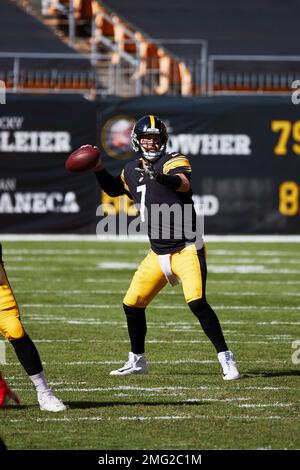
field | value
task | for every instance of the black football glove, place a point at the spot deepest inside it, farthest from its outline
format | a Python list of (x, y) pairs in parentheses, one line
[(149, 171)]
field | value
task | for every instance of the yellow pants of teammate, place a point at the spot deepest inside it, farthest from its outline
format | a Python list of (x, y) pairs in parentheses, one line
[(10, 324), (188, 265)]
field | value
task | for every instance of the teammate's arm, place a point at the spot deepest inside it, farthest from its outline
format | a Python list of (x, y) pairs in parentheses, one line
[(111, 185)]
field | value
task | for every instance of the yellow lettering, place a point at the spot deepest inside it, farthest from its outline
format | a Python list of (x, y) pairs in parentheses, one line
[(284, 127), (289, 198), (296, 137)]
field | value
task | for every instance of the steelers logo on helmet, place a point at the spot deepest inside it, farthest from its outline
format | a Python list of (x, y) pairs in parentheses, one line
[(149, 125)]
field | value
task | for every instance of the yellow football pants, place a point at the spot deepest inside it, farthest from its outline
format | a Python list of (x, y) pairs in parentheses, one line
[(188, 265), (10, 324)]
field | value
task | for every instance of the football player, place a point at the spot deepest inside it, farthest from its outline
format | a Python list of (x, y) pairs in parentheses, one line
[(155, 178), (12, 329)]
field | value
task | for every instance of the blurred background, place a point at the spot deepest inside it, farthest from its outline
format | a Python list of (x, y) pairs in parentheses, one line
[(220, 73)]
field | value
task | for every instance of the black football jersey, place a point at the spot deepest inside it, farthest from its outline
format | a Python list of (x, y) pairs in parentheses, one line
[(170, 214)]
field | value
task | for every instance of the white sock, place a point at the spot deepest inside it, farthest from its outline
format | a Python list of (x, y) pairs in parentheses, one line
[(40, 382)]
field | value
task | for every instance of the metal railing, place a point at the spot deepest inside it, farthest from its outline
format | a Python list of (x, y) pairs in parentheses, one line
[(240, 80), (55, 72), (29, 72), (95, 72)]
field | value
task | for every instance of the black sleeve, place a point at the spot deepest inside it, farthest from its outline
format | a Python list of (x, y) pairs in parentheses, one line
[(172, 181), (113, 186)]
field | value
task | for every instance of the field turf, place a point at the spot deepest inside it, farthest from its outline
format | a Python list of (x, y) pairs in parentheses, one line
[(70, 296)]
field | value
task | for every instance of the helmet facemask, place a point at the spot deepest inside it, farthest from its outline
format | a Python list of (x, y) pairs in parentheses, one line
[(150, 155), (137, 134)]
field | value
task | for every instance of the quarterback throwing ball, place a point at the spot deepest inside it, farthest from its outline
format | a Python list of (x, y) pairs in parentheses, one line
[(154, 179)]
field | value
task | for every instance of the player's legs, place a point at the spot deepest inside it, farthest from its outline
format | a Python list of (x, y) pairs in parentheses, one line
[(12, 329), (147, 281), (190, 266)]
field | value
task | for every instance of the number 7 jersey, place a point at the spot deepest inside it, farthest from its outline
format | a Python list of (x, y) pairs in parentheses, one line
[(169, 214)]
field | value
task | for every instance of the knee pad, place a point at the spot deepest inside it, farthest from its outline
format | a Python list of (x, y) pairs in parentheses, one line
[(133, 312), (198, 306)]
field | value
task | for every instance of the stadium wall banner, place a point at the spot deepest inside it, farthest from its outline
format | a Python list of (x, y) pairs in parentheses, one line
[(37, 193), (244, 152)]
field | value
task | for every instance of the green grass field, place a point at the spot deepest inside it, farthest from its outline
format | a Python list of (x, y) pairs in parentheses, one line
[(70, 296)]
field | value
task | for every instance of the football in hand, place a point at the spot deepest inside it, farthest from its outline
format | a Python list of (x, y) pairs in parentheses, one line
[(82, 159)]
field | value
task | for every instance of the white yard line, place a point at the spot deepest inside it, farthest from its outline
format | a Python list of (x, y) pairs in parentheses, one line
[(184, 325), (266, 405), (164, 389), (257, 253), (166, 362), (45, 252), (164, 306), (116, 265), (154, 418), (52, 269), (109, 264), (214, 268), (140, 238), (87, 292), (200, 417), (112, 280), (257, 269), (90, 251), (156, 341), (246, 281), (285, 337), (250, 261)]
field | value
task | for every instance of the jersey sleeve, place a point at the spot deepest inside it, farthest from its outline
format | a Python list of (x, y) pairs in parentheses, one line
[(113, 186), (127, 191), (177, 164)]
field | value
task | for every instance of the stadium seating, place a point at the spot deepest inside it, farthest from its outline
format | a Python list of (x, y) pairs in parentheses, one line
[(134, 54)]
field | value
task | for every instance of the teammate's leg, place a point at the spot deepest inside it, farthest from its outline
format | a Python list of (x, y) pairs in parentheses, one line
[(147, 281), (190, 266), (12, 329)]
